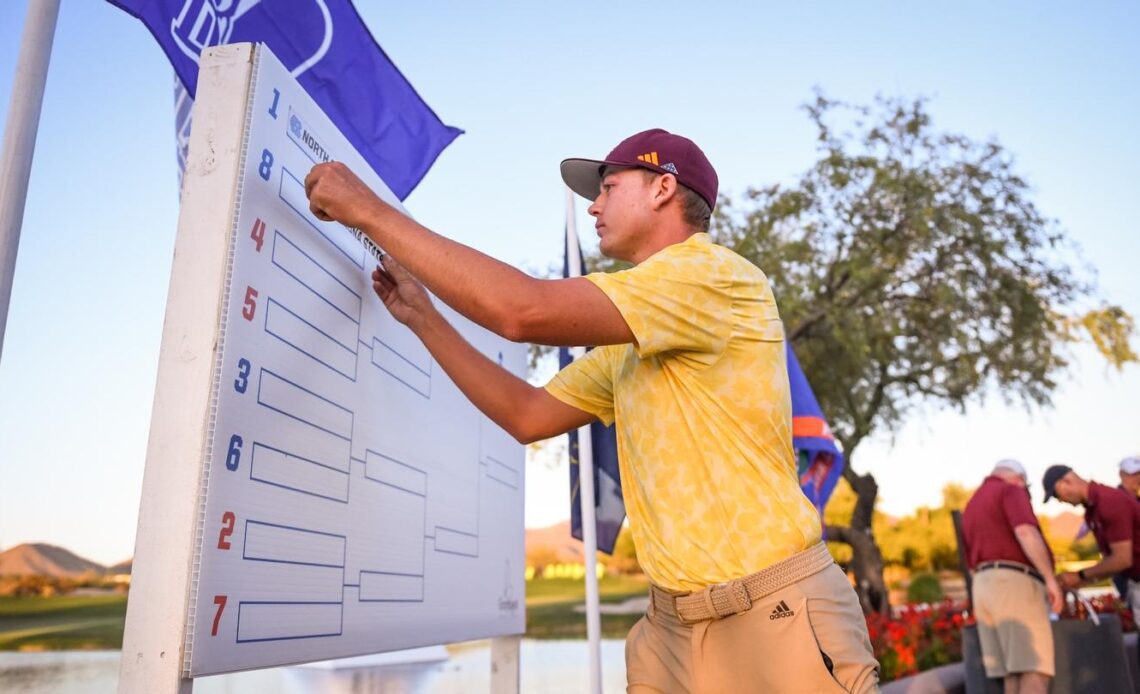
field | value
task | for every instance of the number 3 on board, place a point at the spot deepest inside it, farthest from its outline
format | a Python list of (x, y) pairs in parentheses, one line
[(220, 601), (242, 381)]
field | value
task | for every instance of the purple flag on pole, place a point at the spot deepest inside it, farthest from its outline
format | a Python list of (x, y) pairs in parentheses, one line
[(327, 47), (609, 505)]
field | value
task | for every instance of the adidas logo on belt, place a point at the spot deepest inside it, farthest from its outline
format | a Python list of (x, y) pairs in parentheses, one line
[(782, 610)]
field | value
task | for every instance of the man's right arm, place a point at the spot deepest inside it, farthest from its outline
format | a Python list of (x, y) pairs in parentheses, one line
[(566, 312), (1033, 544)]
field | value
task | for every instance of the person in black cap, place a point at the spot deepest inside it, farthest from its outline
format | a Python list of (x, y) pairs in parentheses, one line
[(1114, 520), (691, 371)]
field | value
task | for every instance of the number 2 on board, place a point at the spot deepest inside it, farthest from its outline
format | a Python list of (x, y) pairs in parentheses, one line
[(228, 520)]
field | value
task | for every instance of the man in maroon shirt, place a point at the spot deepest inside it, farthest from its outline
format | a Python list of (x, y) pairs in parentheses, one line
[(1113, 517), (1014, 586)]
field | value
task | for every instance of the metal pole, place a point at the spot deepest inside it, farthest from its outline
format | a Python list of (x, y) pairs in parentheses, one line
[(20, 138), (956, 516), (505, 667), (586, 486)]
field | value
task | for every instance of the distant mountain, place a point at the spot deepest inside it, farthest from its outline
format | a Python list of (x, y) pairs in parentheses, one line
[(39, 559), (556, 538), (123, 567), (1065, 525)]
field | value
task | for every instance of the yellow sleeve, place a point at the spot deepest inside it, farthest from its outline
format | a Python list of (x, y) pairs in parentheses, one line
[(587, 384), (679, 301)]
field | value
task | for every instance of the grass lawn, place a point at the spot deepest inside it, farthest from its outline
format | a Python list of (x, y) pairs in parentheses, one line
[(89, 622), (550, 604), (65, 622)]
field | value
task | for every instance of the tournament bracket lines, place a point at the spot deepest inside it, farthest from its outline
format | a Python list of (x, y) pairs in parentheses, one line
[(353, 500)]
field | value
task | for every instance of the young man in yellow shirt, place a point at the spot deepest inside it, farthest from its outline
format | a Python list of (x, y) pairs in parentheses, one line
[(690, 366)]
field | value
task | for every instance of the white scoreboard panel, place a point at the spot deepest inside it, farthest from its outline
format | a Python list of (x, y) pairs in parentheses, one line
[(353, 501)]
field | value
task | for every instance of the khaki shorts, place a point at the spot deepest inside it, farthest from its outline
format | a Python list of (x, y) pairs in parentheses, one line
[(810, 637), (1013, 623), (1133, 596)]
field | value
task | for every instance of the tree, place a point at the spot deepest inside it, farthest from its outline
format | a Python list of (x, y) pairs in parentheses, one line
[(624, 558), (912, 267), (925, 540)]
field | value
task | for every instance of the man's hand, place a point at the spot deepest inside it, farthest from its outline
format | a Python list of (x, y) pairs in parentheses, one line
[(1054, 594), (401, 293), (1069, 580), (337, 195)]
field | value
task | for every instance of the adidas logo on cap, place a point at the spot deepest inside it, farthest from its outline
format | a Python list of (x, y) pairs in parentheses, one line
[(782, 610)]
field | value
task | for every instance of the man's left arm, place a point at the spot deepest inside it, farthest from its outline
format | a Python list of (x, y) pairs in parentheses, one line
[(1117, 519), (489, 292)]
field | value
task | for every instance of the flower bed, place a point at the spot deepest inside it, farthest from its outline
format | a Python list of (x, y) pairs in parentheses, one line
[(918, 637), (921, 637)]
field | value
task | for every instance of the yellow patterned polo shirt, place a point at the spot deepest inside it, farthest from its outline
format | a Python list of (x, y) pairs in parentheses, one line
[(704, 416)]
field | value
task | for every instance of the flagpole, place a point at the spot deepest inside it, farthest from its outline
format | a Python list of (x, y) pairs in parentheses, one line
[(586, 493), (20, 138)]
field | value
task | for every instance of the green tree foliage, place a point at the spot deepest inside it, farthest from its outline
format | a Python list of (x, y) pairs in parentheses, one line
[(924, 587), (624, 558), (912, 267), (925, 540)]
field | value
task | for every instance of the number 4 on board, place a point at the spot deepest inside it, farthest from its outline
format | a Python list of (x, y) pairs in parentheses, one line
[(258, 233)]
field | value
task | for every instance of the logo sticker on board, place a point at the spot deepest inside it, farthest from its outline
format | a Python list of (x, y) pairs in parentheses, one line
[(303, 136)]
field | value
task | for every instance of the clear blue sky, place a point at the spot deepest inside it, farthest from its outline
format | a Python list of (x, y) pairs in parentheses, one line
[(532, 83)]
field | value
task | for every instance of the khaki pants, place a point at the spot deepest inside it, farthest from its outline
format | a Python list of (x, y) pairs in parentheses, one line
[(809, 637), (1133, 596), (1013, 623)]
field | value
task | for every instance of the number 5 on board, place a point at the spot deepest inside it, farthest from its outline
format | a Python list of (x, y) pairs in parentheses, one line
[(250, 304)]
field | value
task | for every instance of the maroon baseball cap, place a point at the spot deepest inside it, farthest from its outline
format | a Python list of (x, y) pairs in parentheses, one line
[(654, 150)]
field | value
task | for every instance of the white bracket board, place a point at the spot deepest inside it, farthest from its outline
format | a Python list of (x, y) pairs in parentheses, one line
[(349, 499)]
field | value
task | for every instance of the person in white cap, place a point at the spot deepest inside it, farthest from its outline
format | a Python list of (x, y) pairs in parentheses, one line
[(1129, 484), (1130, 475), (1013, 581)]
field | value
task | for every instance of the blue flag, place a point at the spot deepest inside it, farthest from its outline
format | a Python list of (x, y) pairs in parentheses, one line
[(609, 506), (330, 51), (818, 456)]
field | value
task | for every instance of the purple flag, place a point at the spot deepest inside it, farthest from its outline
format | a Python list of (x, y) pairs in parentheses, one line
[(327, 47)]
